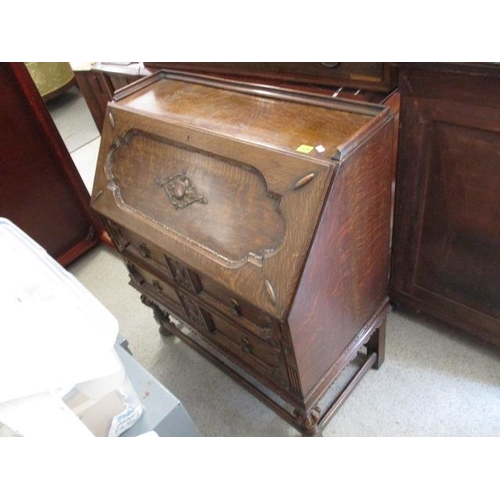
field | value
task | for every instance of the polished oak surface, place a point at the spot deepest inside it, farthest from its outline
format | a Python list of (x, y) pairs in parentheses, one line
[(297, 181), (254, 118)]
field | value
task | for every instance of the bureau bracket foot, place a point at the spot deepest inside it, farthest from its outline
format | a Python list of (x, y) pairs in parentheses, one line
[(167, 328), (308, 421)]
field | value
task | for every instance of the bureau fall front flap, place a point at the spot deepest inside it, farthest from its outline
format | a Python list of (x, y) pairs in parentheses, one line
[(228, 178)]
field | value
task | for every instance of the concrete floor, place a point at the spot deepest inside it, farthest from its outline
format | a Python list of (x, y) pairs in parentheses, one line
[(436, 381)]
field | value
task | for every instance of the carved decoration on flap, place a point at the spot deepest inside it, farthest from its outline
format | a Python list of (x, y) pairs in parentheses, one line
[(180, 190), (142, 168)]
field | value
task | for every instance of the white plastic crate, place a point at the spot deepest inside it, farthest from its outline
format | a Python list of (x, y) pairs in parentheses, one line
[(53, 332), (55, 338)]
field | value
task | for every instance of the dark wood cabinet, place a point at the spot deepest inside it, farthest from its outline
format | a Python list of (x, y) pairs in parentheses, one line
[(40, 188), (446, 254), (260, 218), (377, 76), (97, 92), (99, 83)]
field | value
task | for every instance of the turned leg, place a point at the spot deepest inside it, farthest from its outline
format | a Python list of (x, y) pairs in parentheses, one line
[(376, 344), (167, 328)]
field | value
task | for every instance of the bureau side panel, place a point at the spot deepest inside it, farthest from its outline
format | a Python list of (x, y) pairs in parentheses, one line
[(345, 278)]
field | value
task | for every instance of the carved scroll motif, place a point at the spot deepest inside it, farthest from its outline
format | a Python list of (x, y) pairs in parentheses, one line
[(200, 321)]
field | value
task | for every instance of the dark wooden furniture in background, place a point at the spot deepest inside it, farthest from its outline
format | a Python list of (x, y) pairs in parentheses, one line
[(260, 218), (97, 93), (98, 84), (40, 188), (446, 252), (377, 76)]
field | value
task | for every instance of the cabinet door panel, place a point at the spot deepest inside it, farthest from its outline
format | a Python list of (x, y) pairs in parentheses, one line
[(447, 232), (459, 248)]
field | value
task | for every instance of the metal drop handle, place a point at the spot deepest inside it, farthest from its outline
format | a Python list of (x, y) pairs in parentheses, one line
[(246, 346), (143, 250), (235, 307)]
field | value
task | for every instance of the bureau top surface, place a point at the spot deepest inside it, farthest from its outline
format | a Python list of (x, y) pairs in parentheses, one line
[(262, 116)]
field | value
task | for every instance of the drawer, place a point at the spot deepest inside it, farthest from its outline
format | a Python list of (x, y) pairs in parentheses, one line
[(208, 290), (156, 258), (146, 282), (239, 344), (138, 248), (239, 310), (250, 349)]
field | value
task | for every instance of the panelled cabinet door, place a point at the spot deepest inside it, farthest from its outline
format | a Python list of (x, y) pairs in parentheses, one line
[(447, 233)]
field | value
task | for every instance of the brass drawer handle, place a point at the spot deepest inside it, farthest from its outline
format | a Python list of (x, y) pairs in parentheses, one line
[(135, 274), (330, 65), (246, 346), (235, 307)]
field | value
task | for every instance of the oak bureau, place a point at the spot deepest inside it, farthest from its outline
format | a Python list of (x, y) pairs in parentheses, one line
[(259, 218)]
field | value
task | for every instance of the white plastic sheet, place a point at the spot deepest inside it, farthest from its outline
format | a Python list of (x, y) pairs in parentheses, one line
[(53, 332)]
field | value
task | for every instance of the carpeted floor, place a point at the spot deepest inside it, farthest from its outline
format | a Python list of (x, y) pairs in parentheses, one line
[(435, 381)]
